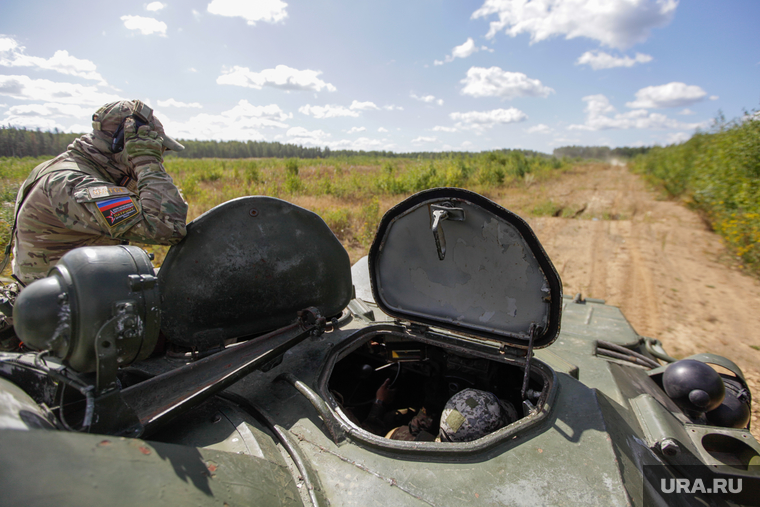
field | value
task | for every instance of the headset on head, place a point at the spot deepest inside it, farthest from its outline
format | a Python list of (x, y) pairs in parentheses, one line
[(141, 113)]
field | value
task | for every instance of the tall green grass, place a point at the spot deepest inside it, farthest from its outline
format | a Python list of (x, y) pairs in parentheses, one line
[(345, 191), (717, 173)]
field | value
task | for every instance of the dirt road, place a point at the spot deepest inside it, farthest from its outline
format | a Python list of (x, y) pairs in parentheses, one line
[(655, 259)]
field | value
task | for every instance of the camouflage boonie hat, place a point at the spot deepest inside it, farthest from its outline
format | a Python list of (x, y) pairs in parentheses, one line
[(109, 118), (471, 414)]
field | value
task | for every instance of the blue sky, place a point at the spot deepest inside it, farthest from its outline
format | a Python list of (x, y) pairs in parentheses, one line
[(407, 75)]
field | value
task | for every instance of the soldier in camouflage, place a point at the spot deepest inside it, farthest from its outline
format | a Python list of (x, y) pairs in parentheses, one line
[(100, 192), (108, 188), (471, 414)]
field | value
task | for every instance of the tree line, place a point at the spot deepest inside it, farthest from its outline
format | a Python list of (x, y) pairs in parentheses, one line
[(599, 152), (22, 142)]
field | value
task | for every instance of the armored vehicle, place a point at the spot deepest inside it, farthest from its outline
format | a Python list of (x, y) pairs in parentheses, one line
[(258, 367)]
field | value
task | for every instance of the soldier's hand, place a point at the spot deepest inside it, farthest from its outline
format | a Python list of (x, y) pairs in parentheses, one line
[(142, 145), (384, 393)]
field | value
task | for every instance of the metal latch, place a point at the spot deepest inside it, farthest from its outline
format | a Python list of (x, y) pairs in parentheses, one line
[(441, 212)]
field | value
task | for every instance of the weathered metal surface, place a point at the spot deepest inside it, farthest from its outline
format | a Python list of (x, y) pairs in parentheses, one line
[(286, 436), (246, 267), (494, 280)]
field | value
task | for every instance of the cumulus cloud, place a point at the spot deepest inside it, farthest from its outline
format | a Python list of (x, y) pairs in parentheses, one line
[(668, 95), (175, 103), (363, 106), (12, 55), (242, 122), (26, 88), (677, 137), (381, 129), (601, 115), (327, 111), (495, 82), (463, 51), (269, 11), (439, 128), (362, 143), (392, 107), (425, 139), (281, 77), (155, 6), (481, 120), (601, 60), (614, 23), (304, 136), (145, 26), (428, 99), (539, 129), (354, 130)]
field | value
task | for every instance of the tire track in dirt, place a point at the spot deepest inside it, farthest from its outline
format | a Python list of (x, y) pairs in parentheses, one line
[(656, 260)]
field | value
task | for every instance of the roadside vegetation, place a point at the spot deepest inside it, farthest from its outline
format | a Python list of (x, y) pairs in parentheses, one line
[(717, 173)]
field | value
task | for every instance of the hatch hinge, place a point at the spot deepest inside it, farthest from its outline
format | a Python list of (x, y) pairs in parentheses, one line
[(441, 212), (532, 331), (415, 328)]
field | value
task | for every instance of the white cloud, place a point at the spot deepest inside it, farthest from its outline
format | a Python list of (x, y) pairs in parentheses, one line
[(354, 130), (26, 88), (480, 120), (363, 143), (439, 128), (145, 26), (175, 103), (598, 108), (494, 82), (303, 136), (462, 51), (7, 44), (242, 122), (381, 129), (155, 6), (687, 112), (328, 111), (282, 77), (428, 99), (52, 110), (678, 137), (363, 106), (269, 11), (668, 95), (714, 97), (614, 23), (539, 129), (12, 55), (601, 60), (423, 139), (393, 108)]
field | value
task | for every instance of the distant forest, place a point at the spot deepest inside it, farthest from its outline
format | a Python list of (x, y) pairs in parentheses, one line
[(599, 152), (21, 142)]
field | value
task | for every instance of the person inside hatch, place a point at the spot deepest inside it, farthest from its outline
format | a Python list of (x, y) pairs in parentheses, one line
[(108, 188)]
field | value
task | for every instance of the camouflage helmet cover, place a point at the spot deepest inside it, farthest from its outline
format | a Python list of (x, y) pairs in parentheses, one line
[(471, 414), (108, 118)]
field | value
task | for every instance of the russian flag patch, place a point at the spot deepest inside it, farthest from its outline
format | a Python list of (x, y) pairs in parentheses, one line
[(117, 210)]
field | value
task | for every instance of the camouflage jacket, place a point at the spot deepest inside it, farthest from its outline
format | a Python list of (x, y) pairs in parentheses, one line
[(75, 203)]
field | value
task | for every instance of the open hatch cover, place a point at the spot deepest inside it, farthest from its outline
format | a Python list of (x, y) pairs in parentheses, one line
[(452, 259), (247, 267)]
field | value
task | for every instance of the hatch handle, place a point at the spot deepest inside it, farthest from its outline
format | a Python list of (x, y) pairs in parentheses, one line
[(441, 212)]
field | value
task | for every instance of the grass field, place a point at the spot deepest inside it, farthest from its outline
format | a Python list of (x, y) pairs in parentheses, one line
[(350, 194)]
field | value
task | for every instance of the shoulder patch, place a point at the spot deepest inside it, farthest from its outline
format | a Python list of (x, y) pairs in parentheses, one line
[(117, 210), (97, 192)]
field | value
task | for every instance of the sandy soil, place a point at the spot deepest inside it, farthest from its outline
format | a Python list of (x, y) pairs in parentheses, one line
[(655, 259)]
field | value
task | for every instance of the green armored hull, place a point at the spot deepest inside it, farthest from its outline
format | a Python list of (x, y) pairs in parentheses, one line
[(261, 385)]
